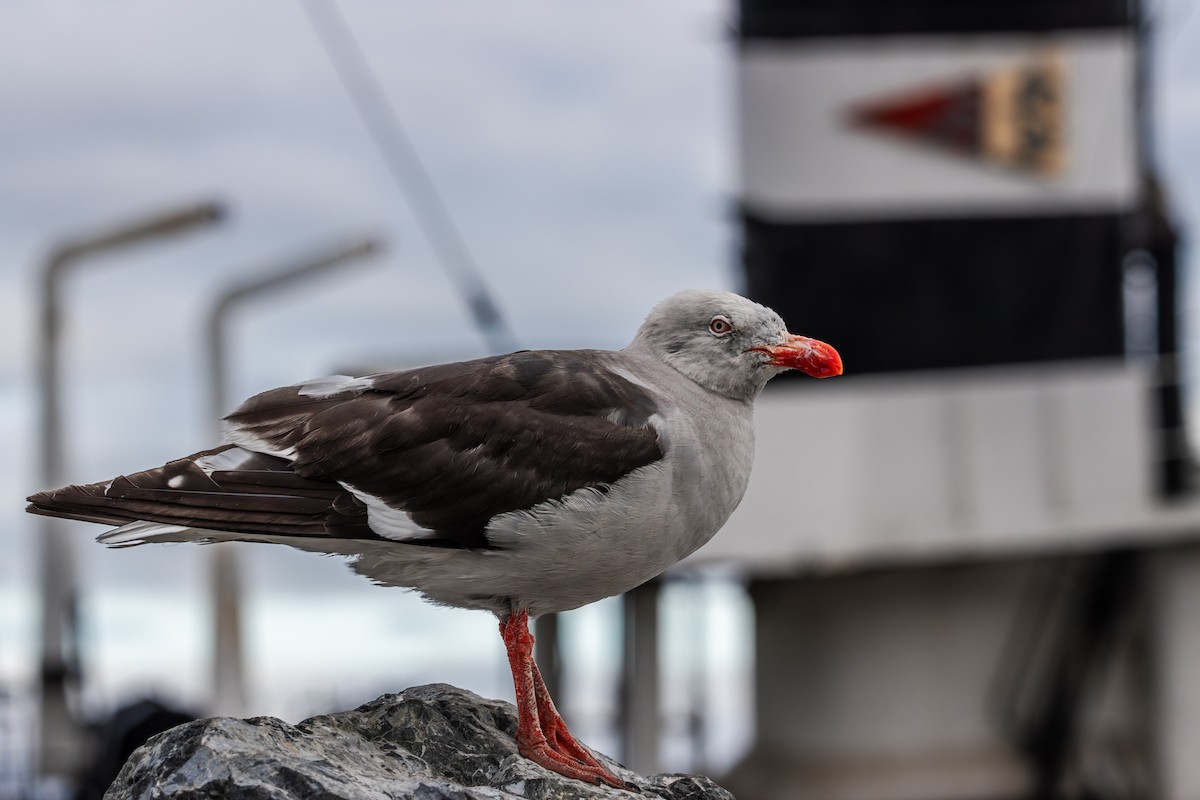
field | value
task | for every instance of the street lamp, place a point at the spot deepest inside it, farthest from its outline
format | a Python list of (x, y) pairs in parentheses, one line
[(229, 691), (60, 745)]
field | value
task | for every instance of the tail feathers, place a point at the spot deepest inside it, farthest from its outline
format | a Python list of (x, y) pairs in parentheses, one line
[(83, 503), (139, 533), (229, 490)]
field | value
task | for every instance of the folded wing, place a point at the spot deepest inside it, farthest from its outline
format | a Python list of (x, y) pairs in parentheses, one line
[(426, 456)]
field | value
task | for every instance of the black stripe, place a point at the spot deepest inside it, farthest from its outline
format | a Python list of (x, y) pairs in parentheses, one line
[(788, 19)]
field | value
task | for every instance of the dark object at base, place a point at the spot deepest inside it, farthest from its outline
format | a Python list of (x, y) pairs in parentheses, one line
[(117, 738), (428, 742)]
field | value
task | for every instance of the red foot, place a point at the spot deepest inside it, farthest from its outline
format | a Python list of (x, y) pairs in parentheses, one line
[(555, 729), (542, 736), (564, 764)]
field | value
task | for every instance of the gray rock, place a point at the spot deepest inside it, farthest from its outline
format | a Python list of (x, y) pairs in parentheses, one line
[(433, 742)]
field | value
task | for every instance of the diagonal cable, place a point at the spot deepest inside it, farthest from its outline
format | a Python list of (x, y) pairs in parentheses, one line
[(407, 170)]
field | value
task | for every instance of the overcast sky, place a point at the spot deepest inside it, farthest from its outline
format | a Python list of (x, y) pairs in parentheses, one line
[(585, 150)]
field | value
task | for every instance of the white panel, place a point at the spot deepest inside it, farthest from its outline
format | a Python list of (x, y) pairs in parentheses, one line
[(985, 461), (808, 453), (801, 159), (1006, 439), (903, 468), (1110, 460)]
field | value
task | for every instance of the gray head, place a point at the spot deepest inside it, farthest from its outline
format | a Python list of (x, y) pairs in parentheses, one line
[(729, 344)]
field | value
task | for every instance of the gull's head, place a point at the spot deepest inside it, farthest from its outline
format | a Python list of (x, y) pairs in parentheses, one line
[(729, 344)]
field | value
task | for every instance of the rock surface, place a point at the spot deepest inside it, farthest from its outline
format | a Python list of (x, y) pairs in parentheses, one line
[(427, 743)]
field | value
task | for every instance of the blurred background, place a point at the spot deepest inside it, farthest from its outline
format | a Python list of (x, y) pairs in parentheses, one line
[(966, 570)]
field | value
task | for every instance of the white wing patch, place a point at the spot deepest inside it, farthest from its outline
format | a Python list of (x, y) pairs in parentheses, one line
[(136, 533), (234, 434), (316, 388), (390, 523), (334, 384), (231, 459)]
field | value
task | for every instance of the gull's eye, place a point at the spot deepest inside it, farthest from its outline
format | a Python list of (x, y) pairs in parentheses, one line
[(720, 325)]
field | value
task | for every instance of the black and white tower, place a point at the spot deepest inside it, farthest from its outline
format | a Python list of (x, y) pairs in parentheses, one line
[(959, 197)]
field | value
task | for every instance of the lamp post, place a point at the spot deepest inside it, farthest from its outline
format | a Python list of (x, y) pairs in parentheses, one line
[(229, 690), (60, 741)]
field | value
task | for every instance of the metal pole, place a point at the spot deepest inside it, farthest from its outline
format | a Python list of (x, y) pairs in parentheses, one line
[(229, 686), (409, 174), (640, 695), (60, 737)]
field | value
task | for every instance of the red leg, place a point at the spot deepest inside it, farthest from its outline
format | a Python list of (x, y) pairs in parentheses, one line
[(544, 741)]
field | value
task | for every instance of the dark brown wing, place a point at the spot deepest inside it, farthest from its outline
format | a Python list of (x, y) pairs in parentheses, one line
[(454, 445), (434, 453)]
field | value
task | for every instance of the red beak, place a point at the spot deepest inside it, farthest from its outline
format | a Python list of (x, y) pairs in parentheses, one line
[(810, 356)]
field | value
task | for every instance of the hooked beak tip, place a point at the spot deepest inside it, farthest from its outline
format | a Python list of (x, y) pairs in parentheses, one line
[(810, 356)]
